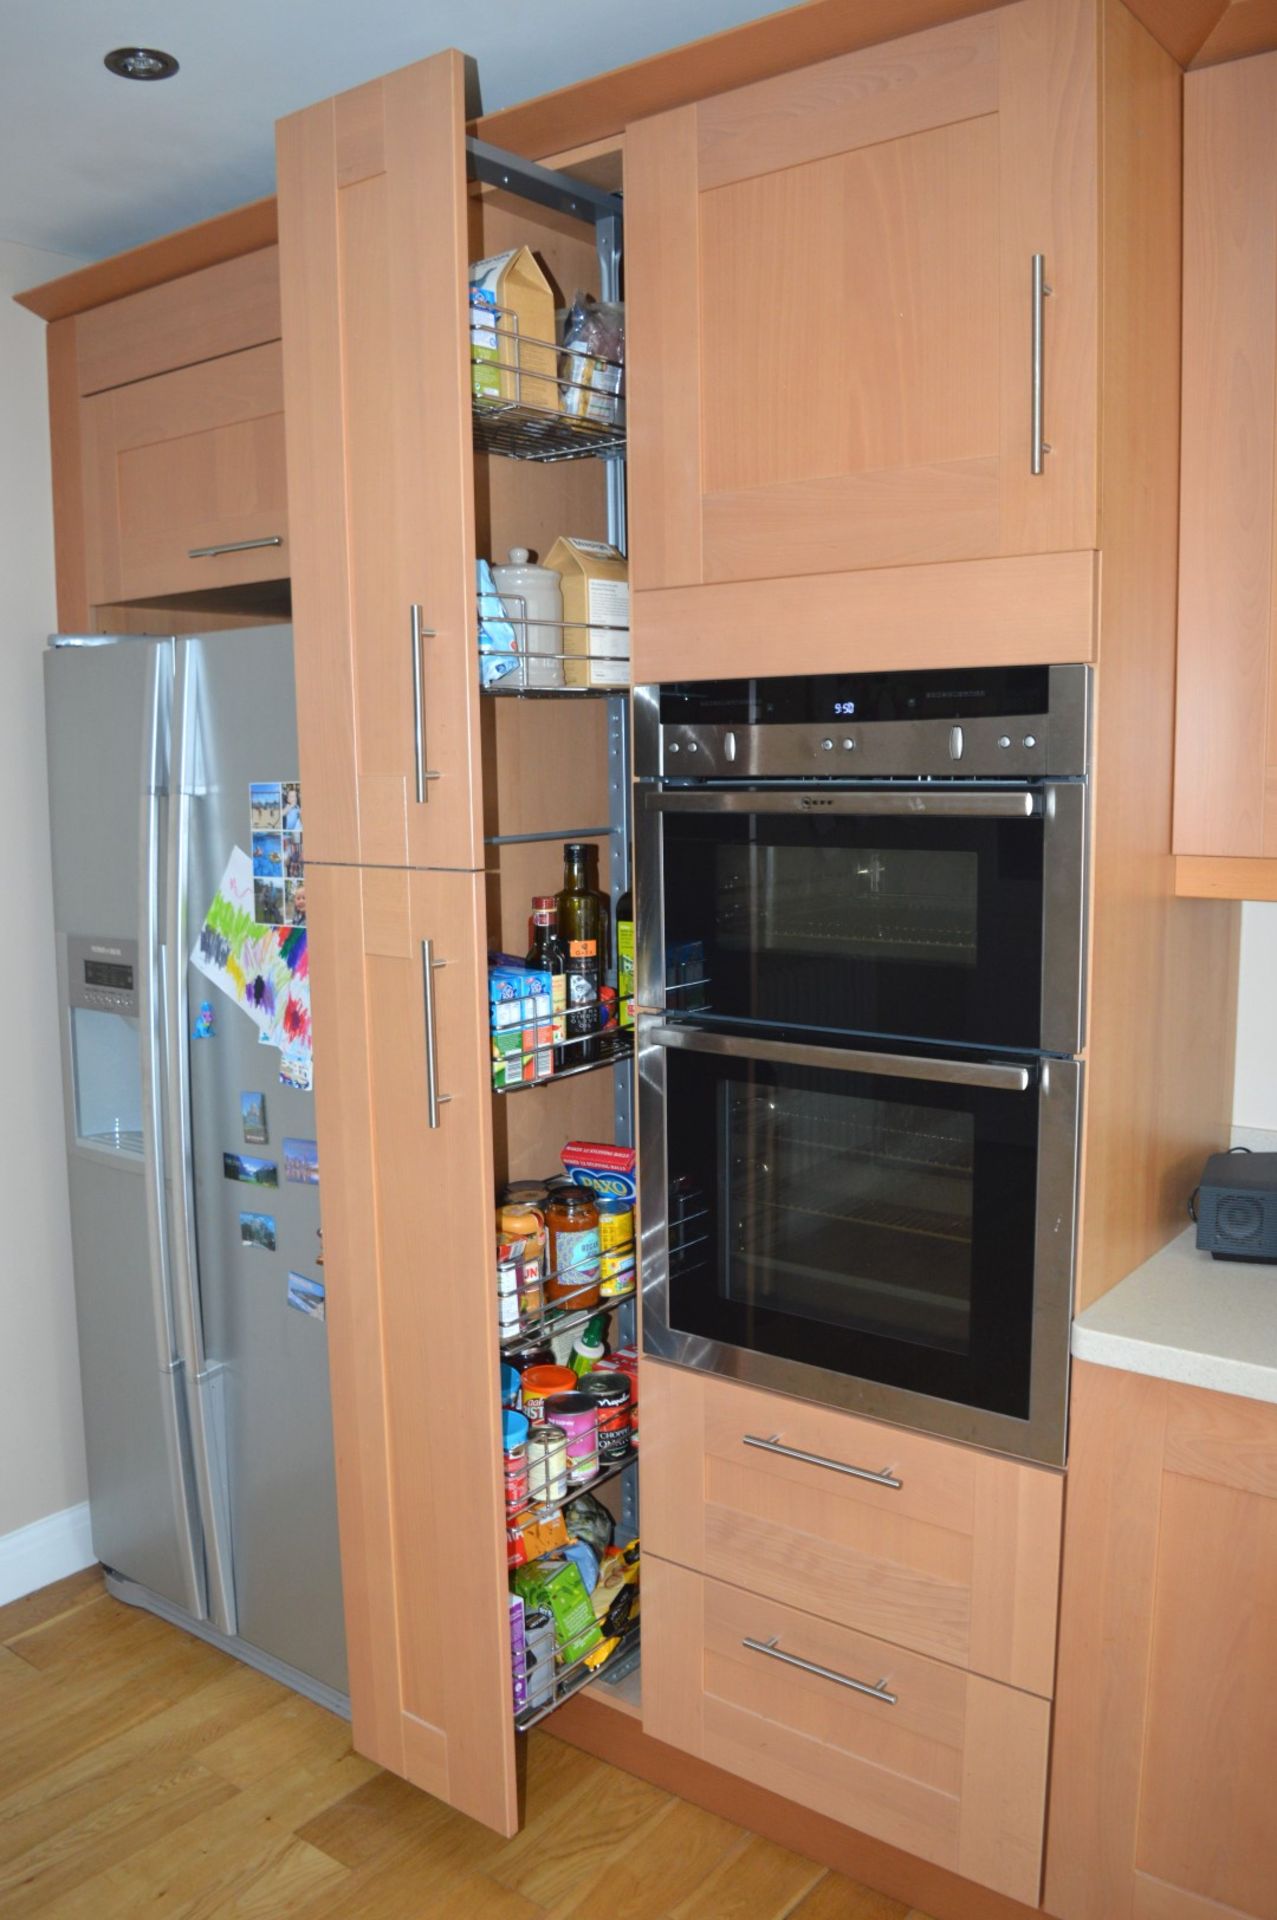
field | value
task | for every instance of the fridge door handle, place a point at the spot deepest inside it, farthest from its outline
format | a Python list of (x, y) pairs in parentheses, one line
[(204, 1384), (154, 1161)]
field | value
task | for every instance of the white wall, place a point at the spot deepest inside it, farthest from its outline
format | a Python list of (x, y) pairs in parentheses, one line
[(41, 1432), (1255, 1086)]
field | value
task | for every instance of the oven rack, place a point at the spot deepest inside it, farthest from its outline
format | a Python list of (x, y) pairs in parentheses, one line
[(571, 1679)]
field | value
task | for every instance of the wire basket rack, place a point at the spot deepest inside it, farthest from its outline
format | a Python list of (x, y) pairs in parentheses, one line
[(535, 400)]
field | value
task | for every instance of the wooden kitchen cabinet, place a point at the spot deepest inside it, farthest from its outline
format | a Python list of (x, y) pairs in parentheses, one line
[(1226, 702), (942, 1763), (830, 319), (184, 481), (1164, 1751)]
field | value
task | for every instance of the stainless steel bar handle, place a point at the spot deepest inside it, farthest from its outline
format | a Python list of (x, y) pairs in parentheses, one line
[(434, 1099), (806, 800), (1039, 446), (235, 546), (207, 1438), (772, 1649), (424, 774), (883, 1478), (798, 1053)]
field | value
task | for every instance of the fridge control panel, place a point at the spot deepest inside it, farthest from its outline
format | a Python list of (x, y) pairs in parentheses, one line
[(102, 974)]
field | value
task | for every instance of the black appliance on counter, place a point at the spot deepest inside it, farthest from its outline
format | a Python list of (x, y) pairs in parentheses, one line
[(861, 964), (1235, 1206)]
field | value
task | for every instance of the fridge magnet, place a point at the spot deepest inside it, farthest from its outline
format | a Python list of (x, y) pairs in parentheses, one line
[(292, 847), (257, 1230), (268, 902), (319, 1257), (258, 1173), (307, 1296), (252, 1110), (292, 806), (268, 856), (295, 1069), (265, 804), (204, 1028), (295, 902), (301, 1162)]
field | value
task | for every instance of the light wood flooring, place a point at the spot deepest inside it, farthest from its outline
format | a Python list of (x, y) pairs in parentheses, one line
[(143, 1773)]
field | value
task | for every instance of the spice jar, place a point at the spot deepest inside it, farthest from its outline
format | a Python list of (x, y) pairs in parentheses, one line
[(573, 1222)]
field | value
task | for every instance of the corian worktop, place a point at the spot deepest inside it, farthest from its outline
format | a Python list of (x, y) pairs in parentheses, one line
[(1183, 1316)]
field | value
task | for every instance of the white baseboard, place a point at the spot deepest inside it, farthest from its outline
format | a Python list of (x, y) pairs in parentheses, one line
[(47, 1550)]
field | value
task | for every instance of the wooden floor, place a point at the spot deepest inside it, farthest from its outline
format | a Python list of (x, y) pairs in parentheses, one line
[(144, 1773)]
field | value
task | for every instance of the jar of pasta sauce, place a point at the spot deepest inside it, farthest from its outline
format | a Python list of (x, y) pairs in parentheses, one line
[(572, 1219)]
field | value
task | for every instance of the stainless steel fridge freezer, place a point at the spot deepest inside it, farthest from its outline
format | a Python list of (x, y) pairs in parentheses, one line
[(205, 1380)]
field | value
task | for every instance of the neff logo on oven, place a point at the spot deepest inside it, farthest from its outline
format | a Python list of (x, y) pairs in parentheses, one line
[(813, 800)]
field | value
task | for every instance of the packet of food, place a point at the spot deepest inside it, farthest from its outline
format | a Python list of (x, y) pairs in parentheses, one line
[(557, 1585), (591, 364)]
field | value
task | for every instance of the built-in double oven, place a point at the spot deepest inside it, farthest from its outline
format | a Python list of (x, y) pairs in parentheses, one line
[(861, 964)]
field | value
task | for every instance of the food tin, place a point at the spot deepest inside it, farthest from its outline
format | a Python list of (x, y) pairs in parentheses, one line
[(539, 1383), (610, 1393), (508, 1296), (514, 1443), (624, 1361), (530, 1353), (616, 1243), (524, 1193), (547, 1465), (577, 1414), (538, 1645)]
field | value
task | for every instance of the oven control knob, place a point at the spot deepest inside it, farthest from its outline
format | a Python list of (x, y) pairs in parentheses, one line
[(1030, 739), (692, 747), (729, 746), (849, 746), (955, 743), (1004, 740), (673, 746), (827, 746)]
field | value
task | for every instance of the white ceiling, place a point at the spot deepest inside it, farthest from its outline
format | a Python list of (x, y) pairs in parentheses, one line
[(90, 164)]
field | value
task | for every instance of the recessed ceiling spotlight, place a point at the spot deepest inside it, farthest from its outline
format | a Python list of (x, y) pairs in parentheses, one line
[(141, 63)]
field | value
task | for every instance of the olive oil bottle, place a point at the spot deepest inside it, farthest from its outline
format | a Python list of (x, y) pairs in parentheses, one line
[(580, 933)]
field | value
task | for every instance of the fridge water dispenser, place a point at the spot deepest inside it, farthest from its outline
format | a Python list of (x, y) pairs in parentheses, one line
[(106, 1053)]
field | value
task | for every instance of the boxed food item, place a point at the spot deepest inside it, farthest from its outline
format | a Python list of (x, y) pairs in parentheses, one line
[(557, 1585), (512, 332), (596, 608), (598, 1164), (521, 1016)]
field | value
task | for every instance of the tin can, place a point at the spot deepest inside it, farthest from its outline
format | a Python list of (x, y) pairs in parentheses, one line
[(616, 1243), (578, 1416), (539, 1383), (508, 1296), (547, 1465), (530, 1353), (610, 1393), (514, 1442), (523, 1193), (538, 1641), (624, 1361)]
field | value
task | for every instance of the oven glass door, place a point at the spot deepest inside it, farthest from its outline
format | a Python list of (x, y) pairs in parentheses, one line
[(914, 926), (858, 1222)]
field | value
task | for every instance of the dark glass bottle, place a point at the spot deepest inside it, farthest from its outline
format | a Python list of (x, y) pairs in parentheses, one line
[(577, 909), (546, 954), (604, 899)]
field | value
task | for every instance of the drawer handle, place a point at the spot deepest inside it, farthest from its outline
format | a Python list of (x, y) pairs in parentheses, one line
[(1039, 445), (235, 546), (434, 1099), (886, 1478), (773, 1651)]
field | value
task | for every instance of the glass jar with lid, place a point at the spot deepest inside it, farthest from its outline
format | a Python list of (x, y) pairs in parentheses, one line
[(572, 1221)]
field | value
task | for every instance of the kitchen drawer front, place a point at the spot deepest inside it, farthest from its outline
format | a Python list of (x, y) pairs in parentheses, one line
[(960, 1561), (188, 460), (951, 1767)]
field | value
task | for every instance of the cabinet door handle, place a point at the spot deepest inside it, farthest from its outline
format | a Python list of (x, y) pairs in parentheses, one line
[(1039, 447), (424, 774), (434, 1099), (771, 1648), (884, 1478), (235, 546)]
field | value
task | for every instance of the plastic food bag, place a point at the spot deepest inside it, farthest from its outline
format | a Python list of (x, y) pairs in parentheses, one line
[(498, 649), (591, 364)]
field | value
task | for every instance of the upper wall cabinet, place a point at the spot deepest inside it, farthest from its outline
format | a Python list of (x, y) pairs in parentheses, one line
[(841, 355), (1226, 742)]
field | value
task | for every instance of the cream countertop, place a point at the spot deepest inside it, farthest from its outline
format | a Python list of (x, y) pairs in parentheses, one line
[(1183, 1316)]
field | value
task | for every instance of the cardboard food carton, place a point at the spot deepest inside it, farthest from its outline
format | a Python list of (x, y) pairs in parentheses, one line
[(512, 307), (596, 595)]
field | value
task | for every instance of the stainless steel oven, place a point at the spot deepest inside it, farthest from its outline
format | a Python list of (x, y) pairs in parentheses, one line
[(861, 961)]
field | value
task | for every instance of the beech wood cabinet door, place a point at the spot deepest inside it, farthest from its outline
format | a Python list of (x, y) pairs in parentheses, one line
[(1164, 1754), (373, 276), (830, 286), (184, 484), (404, 1117)]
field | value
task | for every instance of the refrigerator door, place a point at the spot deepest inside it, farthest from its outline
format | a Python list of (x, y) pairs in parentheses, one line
[(265, 1361), (108, 721)]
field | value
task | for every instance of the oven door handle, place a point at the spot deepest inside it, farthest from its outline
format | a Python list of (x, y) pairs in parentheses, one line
[(798, 1053), (813, 802)]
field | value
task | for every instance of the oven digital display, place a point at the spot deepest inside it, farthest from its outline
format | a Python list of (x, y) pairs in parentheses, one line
[(108, 973)]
